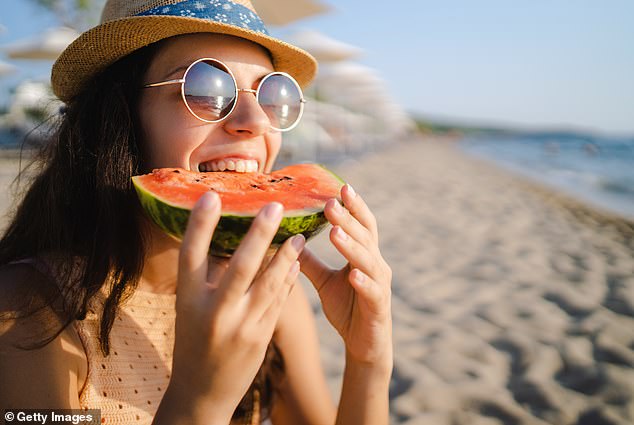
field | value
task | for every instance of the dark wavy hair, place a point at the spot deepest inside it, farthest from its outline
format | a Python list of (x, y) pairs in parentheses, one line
[(81, 205)]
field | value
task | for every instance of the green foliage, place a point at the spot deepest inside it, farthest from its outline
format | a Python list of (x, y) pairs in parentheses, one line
[(456, 127)]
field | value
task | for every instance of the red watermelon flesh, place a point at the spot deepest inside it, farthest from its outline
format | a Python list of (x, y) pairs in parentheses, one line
[(169, 194), (304, 187)]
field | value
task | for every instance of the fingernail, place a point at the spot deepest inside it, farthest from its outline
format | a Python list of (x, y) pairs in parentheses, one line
[(298, 242), (273, 211), (340, 234), (351, 191), (208, 200)]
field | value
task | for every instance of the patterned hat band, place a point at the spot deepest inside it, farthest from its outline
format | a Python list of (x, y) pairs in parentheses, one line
[(128, 25), (224, 11)]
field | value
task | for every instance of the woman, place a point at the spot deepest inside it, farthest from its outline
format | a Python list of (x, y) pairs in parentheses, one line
[(104, 311)]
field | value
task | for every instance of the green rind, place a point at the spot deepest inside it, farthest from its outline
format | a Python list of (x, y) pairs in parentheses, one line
[(332, 173), (231, 229)]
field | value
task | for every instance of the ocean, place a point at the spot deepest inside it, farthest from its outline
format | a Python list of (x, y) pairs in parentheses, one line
[(596, 170)]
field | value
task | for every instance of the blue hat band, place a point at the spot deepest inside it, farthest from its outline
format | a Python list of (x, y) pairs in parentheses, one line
[(221, 11)]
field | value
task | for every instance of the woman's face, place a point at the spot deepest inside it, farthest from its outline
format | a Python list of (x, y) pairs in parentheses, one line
[(173, 137)]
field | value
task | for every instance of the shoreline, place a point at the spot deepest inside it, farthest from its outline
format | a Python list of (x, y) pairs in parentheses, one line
[(596, 177), (549, 192), (577, 206)]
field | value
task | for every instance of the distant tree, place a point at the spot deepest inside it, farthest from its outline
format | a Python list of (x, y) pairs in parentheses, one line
[(77, 14)]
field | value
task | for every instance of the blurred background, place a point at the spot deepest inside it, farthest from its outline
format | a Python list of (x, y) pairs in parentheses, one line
[(500, 136)]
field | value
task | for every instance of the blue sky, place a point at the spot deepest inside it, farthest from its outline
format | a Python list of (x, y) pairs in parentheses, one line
[(543, 63)]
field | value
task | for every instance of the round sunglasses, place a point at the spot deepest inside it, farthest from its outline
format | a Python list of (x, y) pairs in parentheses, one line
[(210, 92)]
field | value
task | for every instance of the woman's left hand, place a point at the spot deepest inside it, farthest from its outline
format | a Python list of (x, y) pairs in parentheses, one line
[(355, 299)]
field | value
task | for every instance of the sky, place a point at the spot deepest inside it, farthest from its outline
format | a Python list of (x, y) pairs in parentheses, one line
[(534, 64)]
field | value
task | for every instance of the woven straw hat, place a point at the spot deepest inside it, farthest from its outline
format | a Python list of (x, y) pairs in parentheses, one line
[(128, 25)]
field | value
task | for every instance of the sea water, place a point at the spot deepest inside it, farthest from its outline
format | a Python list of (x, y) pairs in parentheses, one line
[(596, 170)]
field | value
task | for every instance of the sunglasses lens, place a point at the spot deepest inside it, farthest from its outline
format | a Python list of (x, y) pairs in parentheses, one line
[(280, 97), (210, 91)]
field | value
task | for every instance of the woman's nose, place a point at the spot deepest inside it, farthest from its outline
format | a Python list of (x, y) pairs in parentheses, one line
[(248, 118)]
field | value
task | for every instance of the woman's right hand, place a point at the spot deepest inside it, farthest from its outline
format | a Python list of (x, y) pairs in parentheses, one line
[(226, 311)]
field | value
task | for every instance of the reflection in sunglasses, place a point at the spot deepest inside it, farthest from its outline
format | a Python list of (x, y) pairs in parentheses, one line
[(209, 91)]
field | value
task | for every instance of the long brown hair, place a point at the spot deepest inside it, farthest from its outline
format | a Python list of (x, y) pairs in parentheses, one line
[(81, 205)]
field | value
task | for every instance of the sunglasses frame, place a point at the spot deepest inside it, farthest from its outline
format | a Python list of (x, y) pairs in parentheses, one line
[(237, 91)]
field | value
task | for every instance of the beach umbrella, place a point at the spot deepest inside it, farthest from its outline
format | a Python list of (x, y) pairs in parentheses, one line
[(347, 74), (47, 45), (351, 84), (324, 48), (283, 12), (6, 68)]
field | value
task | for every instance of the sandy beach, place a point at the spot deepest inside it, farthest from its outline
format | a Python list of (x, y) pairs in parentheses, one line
[(512, 304)]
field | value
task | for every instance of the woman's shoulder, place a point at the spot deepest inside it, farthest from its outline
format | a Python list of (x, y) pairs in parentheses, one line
[(34, 340), (27, 294)]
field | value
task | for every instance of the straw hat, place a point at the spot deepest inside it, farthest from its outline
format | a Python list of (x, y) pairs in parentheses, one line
[(128, 25)]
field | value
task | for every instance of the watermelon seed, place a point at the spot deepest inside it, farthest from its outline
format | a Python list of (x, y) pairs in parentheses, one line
[(280, 179), (176, 171)]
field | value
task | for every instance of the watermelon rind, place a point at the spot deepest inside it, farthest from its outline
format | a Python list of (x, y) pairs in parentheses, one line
[(231, 228)]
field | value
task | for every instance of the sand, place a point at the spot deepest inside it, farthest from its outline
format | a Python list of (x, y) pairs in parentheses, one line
[(512, 304)]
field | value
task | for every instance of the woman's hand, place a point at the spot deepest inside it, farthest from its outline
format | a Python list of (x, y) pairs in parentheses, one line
[(355, 299), (227, 309)]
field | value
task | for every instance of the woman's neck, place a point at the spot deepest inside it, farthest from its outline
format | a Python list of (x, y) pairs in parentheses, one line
[(161, 264)]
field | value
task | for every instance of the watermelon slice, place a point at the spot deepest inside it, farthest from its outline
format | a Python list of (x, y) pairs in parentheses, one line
[(169, 194)]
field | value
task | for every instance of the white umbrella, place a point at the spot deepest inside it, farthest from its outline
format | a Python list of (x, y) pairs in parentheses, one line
[(6, 68), (47, 45), (282, 12), (351, 84), (348, 73), (324, 48)]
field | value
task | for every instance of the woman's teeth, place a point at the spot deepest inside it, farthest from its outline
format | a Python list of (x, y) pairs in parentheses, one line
[(238, 165)]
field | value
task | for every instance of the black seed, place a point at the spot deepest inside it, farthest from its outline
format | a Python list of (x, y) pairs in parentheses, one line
[(176, 171)]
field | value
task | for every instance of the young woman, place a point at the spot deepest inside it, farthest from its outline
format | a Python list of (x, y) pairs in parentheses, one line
[(101, 310)]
